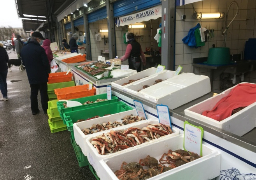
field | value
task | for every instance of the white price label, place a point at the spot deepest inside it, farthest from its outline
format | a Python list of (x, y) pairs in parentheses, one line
[(99, 58), (193, 137), (103, 59), (140, 109), (178, 70), (124, 67), (160, 68), (164, 115), (109, 92)]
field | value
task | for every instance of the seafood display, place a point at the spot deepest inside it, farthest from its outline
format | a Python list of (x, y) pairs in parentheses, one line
[(130, 81), (178, 158), (146, 86), (95, 68), (119, 140), (87, 102), (149, 166), (109, 125), (145, 169)]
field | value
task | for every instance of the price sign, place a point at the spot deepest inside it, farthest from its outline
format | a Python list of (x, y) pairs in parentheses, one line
[(90, 85), (124, 67), (160, 68), (103, 59), (109, 92), (68, 71), (140, 109), (178, 70), (164, 115), (193, 138), (99, 58)]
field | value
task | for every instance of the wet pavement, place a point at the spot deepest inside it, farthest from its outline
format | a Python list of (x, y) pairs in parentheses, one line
[(28, 150)]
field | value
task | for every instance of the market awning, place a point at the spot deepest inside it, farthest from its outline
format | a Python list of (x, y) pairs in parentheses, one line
[(29, 25), (146, 15), (184, 2)]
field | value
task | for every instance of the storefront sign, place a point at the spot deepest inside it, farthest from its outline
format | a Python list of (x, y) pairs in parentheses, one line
[(146, 15), (140, 109), (109, 92), (193, 138), (164, 115)]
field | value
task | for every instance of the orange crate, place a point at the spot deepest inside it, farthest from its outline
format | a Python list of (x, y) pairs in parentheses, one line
[(75, 59), (59, 77), (74, 92)]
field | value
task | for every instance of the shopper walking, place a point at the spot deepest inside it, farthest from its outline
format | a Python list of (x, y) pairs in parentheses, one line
[(38, 68), (13, 45), (3, 72), (72, 43), (134, 53), (18, 45), (65, 44), (48, 51)]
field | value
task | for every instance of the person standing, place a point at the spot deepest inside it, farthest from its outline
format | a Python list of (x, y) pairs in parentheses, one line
[(3, 72), (48, 51), (134, 54), (65, 44), (18, 45), (72, 43), (13, 45), (38, 69)]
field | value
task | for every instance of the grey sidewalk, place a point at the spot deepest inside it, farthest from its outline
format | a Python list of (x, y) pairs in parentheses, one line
[(28, 150)]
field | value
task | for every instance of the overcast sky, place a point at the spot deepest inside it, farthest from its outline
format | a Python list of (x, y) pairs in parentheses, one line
[(8, 14)]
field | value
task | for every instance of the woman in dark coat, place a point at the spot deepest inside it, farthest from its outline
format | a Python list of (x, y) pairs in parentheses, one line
[(3, 72)]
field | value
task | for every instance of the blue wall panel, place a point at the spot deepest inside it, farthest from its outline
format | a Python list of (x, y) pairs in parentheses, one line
[(68, 26), (124, 7), (79, 21), (97, 15)]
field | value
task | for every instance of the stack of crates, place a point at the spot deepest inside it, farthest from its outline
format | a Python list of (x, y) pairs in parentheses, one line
[(55, 122), (58, 80)]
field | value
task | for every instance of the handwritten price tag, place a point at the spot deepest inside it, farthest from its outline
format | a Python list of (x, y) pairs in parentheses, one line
[(160, 68), (193, 138), (124, 67), (109, 92), (140, 109), (164, 115)]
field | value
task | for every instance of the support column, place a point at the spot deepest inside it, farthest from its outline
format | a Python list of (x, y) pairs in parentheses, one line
[(168, 33), (87, 33), (59, 34), (111, 30), (72, 24)]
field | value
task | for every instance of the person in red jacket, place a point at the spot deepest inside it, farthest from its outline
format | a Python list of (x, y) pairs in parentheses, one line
[(48, 51)]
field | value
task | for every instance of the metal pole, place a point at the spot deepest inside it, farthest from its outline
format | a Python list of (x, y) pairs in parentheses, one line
[(168, 33), (72, 24), (111, 30), (88, 41)]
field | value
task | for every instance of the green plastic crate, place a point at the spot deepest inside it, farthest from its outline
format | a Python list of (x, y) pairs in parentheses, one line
[(81, 158), (52, 95), (63, 110), (90, 111), (53, 130), (56, 124), (94, 172), (53, 119), (51, 87), (52, 108)]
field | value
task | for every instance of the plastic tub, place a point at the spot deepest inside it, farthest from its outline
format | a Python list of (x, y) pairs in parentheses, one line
[(56, 124), (59, 77), (52, 109), (94, 157), (239, 123), (82, 160), (62, 109), (80, 137), (74, 92), (206, 167), (91, 111)]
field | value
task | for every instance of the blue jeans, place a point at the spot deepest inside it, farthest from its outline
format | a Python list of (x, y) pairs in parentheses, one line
[(3, 83)]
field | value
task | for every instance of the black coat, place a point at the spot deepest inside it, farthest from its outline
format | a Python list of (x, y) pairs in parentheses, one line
[(36, 62), (72, 44), (3, 59)]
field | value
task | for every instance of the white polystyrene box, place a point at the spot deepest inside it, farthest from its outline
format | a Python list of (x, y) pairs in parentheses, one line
[(94, 157), (239, 124), (179, 90), (143, 74), (80, 137), (134, 87), (206, 167)]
